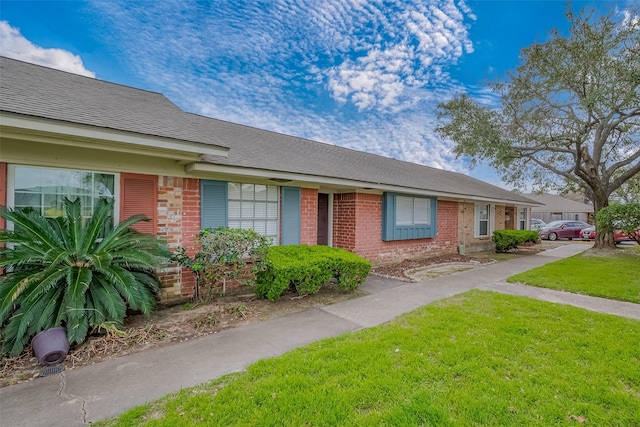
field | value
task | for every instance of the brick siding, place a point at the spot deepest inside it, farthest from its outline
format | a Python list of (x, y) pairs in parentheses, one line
[(357, 226), (178, 224), (344, 221), (309, 216), (466, 217)]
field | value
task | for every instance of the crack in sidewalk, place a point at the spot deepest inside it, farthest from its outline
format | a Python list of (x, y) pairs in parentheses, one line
[(61, 393)]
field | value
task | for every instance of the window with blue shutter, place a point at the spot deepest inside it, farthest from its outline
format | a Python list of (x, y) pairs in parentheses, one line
[(290, 216), (407, 217), (213, 204)]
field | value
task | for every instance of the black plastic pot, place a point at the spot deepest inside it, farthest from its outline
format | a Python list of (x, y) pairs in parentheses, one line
[(51, 346)]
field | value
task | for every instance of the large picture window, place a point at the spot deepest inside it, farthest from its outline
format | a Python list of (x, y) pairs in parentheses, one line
[(44, 189), (253, 206)]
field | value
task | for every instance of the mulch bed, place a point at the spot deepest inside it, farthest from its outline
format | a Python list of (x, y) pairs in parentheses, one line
[(397, 270)]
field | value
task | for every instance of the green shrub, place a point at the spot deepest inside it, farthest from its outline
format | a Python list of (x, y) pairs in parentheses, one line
[(222, 253), (620, 217), (306, 268), (510, 239), (74, 273)]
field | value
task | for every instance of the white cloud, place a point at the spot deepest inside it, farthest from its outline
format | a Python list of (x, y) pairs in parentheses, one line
[(14, 45), (363, 74)]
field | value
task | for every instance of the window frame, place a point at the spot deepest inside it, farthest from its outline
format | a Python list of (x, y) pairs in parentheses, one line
[(242, 200), (523, 224), (490, 220), (391, 230), (11, 170)]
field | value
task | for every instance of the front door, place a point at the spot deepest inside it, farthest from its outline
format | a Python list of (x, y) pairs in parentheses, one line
[(323, 219)]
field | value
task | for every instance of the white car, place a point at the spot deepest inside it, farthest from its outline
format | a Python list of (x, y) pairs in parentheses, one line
[(537, 224)]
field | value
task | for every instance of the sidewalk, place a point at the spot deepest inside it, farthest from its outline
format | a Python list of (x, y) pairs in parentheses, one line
[(106, 389)]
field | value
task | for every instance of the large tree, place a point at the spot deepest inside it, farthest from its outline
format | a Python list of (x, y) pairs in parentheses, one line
[(569, 113)]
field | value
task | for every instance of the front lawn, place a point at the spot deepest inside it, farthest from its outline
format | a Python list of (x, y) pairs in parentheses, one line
[(476, 359), (607, 274)]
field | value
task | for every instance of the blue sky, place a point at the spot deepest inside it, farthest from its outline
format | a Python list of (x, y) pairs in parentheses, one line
[(361, 74)]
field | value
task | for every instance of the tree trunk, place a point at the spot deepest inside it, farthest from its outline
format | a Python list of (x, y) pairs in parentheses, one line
[(603, 240)]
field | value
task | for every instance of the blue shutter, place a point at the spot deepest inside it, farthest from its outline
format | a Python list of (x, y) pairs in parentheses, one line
[(290, 216), (388, 216), (213, 204)]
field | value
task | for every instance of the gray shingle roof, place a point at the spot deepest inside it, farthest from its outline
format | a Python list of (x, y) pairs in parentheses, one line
[(553, 203), (43, 92), (39, 91)]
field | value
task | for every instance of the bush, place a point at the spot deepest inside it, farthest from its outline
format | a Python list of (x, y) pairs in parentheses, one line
[(74, 273), (221, 254), (620, 217), (506, 240), (306, 268)]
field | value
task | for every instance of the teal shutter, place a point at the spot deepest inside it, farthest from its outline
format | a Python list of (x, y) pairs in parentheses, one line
[(213, 204), (290, 216), (388, 216)]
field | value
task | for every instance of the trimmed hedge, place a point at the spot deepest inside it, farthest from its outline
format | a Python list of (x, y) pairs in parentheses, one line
[(306, 268), (510, 239)]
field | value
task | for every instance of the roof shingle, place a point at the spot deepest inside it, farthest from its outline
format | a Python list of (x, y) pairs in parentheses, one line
[(43, 92)]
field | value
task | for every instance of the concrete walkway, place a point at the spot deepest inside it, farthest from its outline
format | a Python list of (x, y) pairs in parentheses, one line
[(106, 389)]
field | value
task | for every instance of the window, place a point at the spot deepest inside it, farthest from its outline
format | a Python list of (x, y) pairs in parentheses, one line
[(522, 218), (407, 217), (253, 206), (482, 220), (44, 189), (412, 211)]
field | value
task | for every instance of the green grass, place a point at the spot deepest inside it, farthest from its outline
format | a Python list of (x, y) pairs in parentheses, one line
[(606, 274), (478, 359)]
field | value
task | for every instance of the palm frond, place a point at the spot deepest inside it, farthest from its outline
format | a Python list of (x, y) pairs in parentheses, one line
[(108, 299), (29, 223), (96, 225), (78, 280), (73, 212), (117, 236)]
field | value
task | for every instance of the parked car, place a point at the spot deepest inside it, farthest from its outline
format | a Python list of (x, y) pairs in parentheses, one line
[(589, 233), (537, 224), (562, 230)]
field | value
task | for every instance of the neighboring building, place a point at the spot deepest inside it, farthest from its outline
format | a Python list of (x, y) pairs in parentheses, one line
[(66, 135), (559, 208)]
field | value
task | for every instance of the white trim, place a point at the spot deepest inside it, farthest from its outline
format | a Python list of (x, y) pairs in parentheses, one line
[(330, 225), (202, 168), (48, 130)]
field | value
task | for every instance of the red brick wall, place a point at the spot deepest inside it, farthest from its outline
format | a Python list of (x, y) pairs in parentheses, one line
[(178, 223), (344, 221), (309, 216), (362, 213)]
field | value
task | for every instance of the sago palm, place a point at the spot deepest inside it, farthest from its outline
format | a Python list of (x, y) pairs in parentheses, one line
[(68, 272)]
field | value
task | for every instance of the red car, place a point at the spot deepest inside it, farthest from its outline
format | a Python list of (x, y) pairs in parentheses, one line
[(589, 233), (562, 230)]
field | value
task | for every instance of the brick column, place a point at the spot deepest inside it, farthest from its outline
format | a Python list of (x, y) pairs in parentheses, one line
[(309, 216), (344, 221), (178, 223)]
